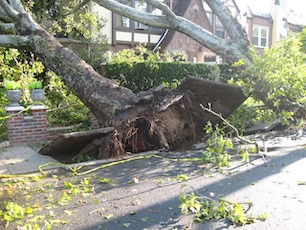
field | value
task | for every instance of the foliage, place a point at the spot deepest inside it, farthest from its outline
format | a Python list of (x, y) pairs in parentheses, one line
[(227, 72), (3, 102), (302, 37), (142, 54), (105, 180), (250, 113), (35, 85), (64, 107), (17, 67), (13, 211), (82, 158), (217, 146), (145, 75), (12, 85), (94, 53), (206, 209), (61, 18), (281, 73), (141, 69)]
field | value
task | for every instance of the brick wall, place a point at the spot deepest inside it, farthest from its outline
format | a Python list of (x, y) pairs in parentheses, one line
[(181, 42), (26, 129)]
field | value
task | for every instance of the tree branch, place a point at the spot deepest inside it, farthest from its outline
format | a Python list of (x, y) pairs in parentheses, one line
[(163, 7), (231, 24), (17, 5), (230, 51), (14, 41), (9, 10), (229, 125), (4, 17), (7, 28), (79, 6), (134, 14)]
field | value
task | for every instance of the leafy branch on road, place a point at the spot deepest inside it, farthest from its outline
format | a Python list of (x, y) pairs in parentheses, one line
[(205, 209)]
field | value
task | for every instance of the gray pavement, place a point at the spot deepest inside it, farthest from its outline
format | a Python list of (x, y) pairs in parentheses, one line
[(21, 159)]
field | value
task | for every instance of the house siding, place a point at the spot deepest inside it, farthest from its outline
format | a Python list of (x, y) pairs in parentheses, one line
[(181, 42)]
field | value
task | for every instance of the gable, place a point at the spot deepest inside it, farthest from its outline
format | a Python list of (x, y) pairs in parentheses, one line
[(175, 41)]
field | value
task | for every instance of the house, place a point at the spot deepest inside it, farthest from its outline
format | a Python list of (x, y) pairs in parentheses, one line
[(124, 33), (264, 23), (268, 22), (174, 41)]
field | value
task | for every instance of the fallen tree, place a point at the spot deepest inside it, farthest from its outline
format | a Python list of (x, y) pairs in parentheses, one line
[(161, 119), (158, 118)]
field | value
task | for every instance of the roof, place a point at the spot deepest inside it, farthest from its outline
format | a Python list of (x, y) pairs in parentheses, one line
[(179, 9), (262, 8)]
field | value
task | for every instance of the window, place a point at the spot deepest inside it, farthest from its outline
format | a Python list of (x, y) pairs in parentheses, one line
[(220, 32), (141, 6), (122, 21), (210, 17), (260, 36)]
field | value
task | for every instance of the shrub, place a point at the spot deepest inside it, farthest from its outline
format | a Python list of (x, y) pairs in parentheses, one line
[(35, 85), (11, 85), (145, 75)]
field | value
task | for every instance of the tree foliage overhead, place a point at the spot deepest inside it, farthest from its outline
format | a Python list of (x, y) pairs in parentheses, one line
[(68, 18)]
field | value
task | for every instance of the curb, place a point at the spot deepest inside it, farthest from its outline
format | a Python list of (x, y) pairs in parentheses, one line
[(56, 169)]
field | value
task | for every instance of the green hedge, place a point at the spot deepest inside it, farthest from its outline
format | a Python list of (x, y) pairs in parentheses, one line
[(145, 75)]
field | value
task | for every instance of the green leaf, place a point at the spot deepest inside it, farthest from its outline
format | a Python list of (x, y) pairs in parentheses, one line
[(126, 225), (109, 216)]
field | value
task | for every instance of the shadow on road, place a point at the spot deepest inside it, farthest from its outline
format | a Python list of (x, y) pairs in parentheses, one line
[(153, 205)]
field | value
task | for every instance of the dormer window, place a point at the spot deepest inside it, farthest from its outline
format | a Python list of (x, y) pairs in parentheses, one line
[(260, 35)]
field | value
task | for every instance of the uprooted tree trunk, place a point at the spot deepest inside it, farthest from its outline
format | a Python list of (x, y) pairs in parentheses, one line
[(164, 119), (161, 119)]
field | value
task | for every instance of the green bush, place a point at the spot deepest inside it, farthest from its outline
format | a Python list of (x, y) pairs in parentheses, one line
[(145, 75), (11, 85), (3, 103), (64, 107), (35, 85)]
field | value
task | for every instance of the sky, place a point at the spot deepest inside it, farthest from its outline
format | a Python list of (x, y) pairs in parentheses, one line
[(298, 5)]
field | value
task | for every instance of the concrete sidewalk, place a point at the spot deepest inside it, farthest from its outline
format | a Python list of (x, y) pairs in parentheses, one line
[(21, 159)]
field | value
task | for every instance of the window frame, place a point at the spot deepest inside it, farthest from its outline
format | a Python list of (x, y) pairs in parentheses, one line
[(260, 37)]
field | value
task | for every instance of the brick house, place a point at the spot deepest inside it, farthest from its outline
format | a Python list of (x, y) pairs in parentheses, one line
[(264, 24), (174, 41)]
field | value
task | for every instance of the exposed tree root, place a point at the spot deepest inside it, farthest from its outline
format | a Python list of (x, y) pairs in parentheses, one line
[(165, 119)]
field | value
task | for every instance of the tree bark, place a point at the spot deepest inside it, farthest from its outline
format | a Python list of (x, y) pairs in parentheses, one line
[(158, 118)]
